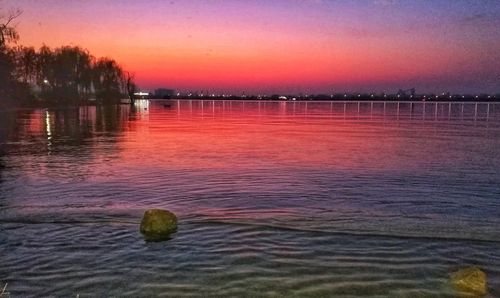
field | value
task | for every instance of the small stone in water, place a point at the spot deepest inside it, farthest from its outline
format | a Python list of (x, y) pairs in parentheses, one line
[(470, 280), (157, 224)]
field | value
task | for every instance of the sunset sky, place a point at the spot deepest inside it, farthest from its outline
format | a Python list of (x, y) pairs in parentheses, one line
[(272, 46)]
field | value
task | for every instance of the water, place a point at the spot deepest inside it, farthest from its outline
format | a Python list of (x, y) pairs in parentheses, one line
[(275, 199)]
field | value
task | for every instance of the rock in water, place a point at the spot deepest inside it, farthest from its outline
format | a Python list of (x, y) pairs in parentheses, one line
[(471, 280), (157, 225)]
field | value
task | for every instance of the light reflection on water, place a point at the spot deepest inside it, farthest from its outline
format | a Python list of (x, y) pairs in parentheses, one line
[(274, 198)]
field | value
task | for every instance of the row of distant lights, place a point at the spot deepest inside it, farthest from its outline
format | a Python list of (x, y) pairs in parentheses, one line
[(214, 95), (345, 95), (411, 96), (202, 95)]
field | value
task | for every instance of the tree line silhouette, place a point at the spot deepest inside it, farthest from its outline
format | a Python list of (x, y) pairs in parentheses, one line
[(64, 75)]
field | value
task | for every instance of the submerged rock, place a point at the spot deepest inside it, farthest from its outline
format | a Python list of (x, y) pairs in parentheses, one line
[(471, 280), (157, 224)]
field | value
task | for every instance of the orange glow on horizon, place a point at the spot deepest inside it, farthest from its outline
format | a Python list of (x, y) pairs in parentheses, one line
[(275, 47)]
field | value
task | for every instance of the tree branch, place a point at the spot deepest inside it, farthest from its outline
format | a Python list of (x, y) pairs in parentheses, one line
[(12, 16)]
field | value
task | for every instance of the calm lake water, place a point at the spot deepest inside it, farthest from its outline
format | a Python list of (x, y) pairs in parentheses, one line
[(274, 199)]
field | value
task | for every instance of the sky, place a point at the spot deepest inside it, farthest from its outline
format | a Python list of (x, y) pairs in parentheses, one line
[(281, 46)]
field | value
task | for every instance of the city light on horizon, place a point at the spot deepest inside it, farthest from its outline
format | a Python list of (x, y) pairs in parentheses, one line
[(285, 47)]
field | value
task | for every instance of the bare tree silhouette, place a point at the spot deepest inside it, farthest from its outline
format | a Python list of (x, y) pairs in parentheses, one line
[(8, 32)]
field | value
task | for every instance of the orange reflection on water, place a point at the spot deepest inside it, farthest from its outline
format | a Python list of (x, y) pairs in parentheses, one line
[(246, 135), (243, 135)]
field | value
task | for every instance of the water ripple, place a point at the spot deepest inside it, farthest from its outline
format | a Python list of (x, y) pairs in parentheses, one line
[(274, 199)]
